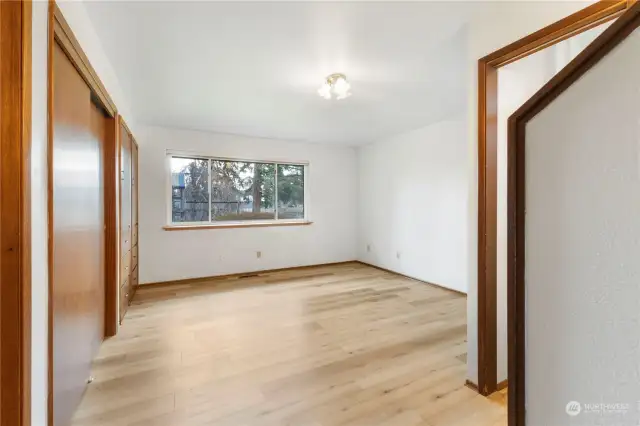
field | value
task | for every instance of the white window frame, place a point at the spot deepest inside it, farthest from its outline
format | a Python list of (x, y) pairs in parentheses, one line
[(189, 155)]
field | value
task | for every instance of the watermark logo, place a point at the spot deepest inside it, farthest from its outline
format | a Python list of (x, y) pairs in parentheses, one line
[(573, 408)]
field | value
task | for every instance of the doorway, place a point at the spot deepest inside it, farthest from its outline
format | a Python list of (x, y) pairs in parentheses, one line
[(488, 118)]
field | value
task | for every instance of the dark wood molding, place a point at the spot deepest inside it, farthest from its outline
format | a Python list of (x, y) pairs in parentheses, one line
[(487, 228), (232, 225), (574, 24), (471, 386), (460, 293), (123, 123), (15, 212), (111, 179), (597, 50), (244, 274), (583, 20), (60, 32)]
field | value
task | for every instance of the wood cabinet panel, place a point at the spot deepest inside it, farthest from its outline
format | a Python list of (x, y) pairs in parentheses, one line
[(134, 257), (129, 218), (125, 190), (125, 267), (134, 185)]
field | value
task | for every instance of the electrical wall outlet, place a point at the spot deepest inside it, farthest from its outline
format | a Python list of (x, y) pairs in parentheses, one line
[(258, 254)]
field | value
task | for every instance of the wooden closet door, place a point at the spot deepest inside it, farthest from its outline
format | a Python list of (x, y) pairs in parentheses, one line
[(125, 221), (77, 233), (134, 192), (134, 216)]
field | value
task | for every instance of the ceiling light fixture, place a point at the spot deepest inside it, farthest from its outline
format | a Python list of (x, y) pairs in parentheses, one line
[(335, 85)]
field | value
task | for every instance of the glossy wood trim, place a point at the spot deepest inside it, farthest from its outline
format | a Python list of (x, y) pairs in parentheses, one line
[(243, 274), (502, 385), (124, 124), (235, 225), (574, 24), (597, 50), (15, 212), (69, 43), (487, 228), (112, 248), (471, 385), (460, 293)]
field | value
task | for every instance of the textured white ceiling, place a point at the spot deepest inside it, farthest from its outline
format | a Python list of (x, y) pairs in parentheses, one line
[(253, 68)]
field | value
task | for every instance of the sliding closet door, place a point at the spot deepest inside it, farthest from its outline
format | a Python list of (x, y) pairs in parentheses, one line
[(125, 221), (134, 216), (77, 236)]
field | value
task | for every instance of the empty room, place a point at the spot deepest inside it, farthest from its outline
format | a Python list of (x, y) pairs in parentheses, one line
[(315, 213)]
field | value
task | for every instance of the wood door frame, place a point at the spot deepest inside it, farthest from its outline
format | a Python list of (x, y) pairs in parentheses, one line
[(597, 50), (60, 32), (583, 20), (15, 210)]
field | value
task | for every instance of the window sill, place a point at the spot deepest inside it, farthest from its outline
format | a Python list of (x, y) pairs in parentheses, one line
[(233, 225)]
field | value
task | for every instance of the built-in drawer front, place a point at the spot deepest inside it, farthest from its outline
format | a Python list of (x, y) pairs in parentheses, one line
[(125, 267), (134, 234), (125, 295), (134, 257), (126, 239), (134, 277)]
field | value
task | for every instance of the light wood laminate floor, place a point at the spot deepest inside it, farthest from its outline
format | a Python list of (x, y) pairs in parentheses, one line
[(324, 346)]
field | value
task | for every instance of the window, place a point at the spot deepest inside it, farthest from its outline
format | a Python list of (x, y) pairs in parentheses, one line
[(214, 190)]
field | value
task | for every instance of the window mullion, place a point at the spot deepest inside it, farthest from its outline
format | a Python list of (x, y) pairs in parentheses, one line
[(275, 197), (210, 175)]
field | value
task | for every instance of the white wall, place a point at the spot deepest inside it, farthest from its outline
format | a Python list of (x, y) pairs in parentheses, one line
[(495, 25), (582, 242), (413, 202), (166, 256), (39, 231), (79, 23), (517, 82)]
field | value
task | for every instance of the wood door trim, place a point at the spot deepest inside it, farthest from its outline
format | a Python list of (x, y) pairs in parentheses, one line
[(112, 248), (574, 24), (60, 32), (15, 226), (596, 51)]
